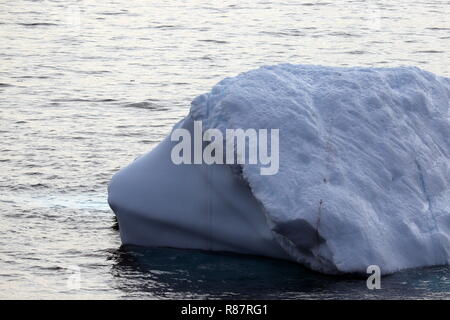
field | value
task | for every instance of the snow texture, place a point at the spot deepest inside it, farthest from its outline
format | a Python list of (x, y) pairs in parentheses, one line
[(364, 171)]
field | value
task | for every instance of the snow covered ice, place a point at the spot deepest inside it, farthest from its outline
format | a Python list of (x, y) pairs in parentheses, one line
[(364, 172)]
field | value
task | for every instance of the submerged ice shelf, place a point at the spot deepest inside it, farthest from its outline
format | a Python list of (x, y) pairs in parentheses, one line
[(364, 172)]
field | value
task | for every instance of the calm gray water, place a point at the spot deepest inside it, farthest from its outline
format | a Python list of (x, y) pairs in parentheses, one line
[(87, 86)]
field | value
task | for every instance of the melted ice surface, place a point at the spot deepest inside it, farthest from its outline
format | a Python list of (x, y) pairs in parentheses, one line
[(364, 161)]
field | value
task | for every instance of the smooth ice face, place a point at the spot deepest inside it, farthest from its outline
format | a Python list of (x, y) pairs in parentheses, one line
[(364, 161), (363, 178), (207, 207)]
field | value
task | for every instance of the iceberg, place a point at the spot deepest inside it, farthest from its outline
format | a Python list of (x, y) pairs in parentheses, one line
[(363, 178)]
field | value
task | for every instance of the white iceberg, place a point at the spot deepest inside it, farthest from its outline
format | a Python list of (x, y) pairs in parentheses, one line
[(364, 172)]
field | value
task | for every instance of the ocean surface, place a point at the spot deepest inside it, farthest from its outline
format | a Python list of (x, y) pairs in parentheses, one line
[(87, 86)]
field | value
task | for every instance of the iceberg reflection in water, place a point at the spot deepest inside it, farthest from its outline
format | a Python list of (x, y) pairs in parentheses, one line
[(174, 273)]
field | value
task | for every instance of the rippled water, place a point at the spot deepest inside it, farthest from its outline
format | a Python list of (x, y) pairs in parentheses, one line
[(86, 86)]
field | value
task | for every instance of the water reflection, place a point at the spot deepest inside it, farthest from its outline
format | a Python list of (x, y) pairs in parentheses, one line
[(172, 273)]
